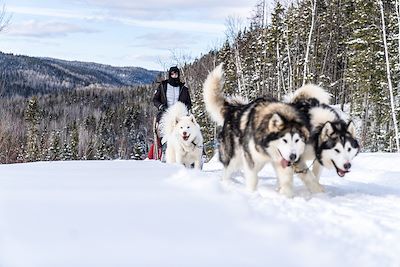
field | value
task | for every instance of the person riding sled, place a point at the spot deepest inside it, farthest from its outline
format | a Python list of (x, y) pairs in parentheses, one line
[(167, 94)]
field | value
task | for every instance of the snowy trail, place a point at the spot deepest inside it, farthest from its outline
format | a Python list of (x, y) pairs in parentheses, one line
[(145, 213)]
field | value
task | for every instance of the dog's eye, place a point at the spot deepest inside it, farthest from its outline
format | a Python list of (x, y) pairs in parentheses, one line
[(181, 127), (349, 149), (337, 150), (297, 140), (188, 127), (284, 140)]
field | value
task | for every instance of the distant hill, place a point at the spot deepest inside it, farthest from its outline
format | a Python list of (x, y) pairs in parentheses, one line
[(24, 75)]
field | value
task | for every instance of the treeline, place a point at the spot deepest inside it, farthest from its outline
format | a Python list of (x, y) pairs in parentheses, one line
[(81, 124), (337, 44)]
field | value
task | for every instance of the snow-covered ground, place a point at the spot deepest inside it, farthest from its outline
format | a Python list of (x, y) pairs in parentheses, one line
[(145, 213)]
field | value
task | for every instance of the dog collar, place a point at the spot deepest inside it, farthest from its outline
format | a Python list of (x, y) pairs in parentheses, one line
[(296, 170), (195, 145)]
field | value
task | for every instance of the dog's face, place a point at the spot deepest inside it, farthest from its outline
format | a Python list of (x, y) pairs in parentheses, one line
[(290, 144), (186, 128), (339, 147)]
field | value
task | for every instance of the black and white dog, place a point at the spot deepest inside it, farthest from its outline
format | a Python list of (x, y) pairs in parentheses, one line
[(332, 143), (255, 133)]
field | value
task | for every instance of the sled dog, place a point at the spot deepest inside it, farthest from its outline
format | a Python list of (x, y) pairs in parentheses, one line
[(332, 142), (255, 133), (183, 136)]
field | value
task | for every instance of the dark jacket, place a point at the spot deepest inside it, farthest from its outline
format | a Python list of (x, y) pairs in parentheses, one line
[(160, 97)]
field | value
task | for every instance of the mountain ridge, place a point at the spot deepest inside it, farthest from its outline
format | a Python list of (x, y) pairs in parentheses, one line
[(26, 75)]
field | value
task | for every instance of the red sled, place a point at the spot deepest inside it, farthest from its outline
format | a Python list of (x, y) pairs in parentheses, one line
[(152, 148)]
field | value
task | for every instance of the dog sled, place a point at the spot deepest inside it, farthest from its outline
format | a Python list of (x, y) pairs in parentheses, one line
[(155, 151)]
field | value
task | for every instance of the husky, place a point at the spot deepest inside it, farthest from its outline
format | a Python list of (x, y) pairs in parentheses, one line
[(255, 133), (332, 142), (183, 136)]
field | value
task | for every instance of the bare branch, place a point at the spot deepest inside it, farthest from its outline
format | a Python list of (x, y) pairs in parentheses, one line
[(4, 18)]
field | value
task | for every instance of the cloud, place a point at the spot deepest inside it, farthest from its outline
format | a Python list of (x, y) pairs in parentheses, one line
[(167, 4), (33, 28), (120, 16), (50, 12), (188, 26), (167, 40), (154, 9)]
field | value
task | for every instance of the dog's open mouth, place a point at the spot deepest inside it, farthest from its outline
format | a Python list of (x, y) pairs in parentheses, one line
[(339, 172), (284, 162), (185, 137)]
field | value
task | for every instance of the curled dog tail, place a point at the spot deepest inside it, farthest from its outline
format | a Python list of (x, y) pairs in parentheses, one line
[(170, 118), (310, 91), (214, 98)]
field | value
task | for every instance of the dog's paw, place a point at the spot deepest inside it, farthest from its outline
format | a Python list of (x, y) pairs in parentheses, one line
[(251, 188), (286, 191), (316, 188)]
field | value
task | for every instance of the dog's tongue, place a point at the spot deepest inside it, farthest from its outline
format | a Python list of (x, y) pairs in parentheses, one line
[(284, 163), (341, 173)]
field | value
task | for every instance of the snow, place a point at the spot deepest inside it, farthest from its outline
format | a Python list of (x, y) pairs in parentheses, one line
[(146, 213)]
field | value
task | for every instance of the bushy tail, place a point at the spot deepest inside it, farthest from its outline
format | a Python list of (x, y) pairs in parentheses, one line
[(213, 96), (171, 115), (311, 91)]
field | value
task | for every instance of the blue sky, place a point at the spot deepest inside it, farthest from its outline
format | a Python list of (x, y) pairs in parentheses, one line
[(144, 33)]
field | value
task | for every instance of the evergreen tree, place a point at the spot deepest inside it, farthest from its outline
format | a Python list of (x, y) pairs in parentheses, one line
[(366, 71), (54, 151), (74, 143), (32, 117)]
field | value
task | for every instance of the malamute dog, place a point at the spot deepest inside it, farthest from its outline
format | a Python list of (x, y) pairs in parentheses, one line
[(332, 143), (183, 136), (255, 133)]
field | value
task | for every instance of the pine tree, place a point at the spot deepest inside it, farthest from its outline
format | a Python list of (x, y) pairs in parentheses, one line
[(225, 56), (366, 71), (275, 45), (32, 118), (66, 152), (54, 151), (74, 143)]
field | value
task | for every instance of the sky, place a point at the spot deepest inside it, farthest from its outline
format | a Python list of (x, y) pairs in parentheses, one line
[(146, 33)]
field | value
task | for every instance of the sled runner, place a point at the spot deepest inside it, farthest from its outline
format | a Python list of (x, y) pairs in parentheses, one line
[(156, 146)]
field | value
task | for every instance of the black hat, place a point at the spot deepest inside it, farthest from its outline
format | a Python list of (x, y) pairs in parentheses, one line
[(174, 81), (174, 69)]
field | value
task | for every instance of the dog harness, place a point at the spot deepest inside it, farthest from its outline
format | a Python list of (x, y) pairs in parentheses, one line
[(304, 170)]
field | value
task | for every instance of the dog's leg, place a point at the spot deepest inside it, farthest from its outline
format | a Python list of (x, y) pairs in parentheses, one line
[(179, 158), (285, 177), (228, 171), (170, 154), (309, 180), (317, 169), (197, 162), (250, 174)]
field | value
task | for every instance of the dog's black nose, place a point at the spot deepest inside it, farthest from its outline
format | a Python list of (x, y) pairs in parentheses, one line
[(347, 165), (184, 133), (292, 157)]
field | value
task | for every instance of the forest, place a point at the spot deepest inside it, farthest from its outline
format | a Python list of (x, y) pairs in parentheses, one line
[(349, 47)]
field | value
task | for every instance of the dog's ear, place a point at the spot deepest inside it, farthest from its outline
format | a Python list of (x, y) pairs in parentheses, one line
[(327, 131), (176, 121), (351, 129), (305, 132), (275, 123), (192, 118)]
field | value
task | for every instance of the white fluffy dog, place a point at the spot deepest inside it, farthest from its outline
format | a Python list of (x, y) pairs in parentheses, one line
[(183, 136)]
